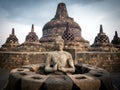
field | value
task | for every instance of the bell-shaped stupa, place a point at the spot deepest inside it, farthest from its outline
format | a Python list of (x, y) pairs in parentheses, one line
[(31, 43), (116, 40), (101, 39), (32, 37), (11, 42), (58, 25), (102, 43)]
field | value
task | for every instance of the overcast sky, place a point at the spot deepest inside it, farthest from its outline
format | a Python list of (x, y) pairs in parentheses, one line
[(89, 14)]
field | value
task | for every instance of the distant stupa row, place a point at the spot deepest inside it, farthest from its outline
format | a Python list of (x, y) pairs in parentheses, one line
[(65, 27), (102, 42)]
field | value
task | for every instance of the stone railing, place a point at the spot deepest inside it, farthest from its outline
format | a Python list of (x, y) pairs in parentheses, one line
[(107, 60)]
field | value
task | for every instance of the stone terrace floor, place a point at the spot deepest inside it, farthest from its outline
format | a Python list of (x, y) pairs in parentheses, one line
[(4, 74)]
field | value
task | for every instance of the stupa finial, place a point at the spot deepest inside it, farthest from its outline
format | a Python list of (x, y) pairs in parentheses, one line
[(61, 11), (13, 31), (101, 29), (116, 34), (67, 26), (32, 29)]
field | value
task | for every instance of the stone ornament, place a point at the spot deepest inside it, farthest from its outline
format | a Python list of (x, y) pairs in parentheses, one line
[(68, 35)]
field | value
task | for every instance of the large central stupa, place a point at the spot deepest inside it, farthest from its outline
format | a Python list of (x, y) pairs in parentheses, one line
[(64, 26)]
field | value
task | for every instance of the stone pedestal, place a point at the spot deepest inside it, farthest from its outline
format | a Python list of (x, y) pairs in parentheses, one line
[(93, 79), (58, 82)]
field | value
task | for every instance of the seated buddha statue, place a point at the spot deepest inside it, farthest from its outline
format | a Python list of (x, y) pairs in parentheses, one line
[(59, 61)]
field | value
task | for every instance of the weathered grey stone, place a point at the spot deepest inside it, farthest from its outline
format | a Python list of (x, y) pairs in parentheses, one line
[(58, 82), (106, 60), (59, 61), (104, 77), (20, 70), (11, 60), (33, 82), (89, 78), (15, 79), (84, 82)]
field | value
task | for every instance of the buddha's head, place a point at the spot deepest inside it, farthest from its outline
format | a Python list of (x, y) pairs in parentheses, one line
[(59, 44)]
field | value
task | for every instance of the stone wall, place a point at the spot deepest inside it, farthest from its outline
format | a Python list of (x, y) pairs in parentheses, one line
[(10, 60), (107, 60)]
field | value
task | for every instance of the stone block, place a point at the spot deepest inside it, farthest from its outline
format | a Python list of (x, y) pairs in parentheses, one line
[(58, 82), (84, 82), (15, 80), (33, 82)]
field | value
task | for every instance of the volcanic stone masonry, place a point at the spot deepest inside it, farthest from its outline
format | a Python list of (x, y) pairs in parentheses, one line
[(102, 53)]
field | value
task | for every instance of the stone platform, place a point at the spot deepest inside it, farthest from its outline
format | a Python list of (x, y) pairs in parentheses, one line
[(85, 78), (4, 74)]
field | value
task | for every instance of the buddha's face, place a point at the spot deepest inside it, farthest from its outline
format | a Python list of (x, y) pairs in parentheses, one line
[(60, 46)]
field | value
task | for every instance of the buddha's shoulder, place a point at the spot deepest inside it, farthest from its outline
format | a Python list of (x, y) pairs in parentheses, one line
[(58, 53), (52, 52), (67, 53)]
